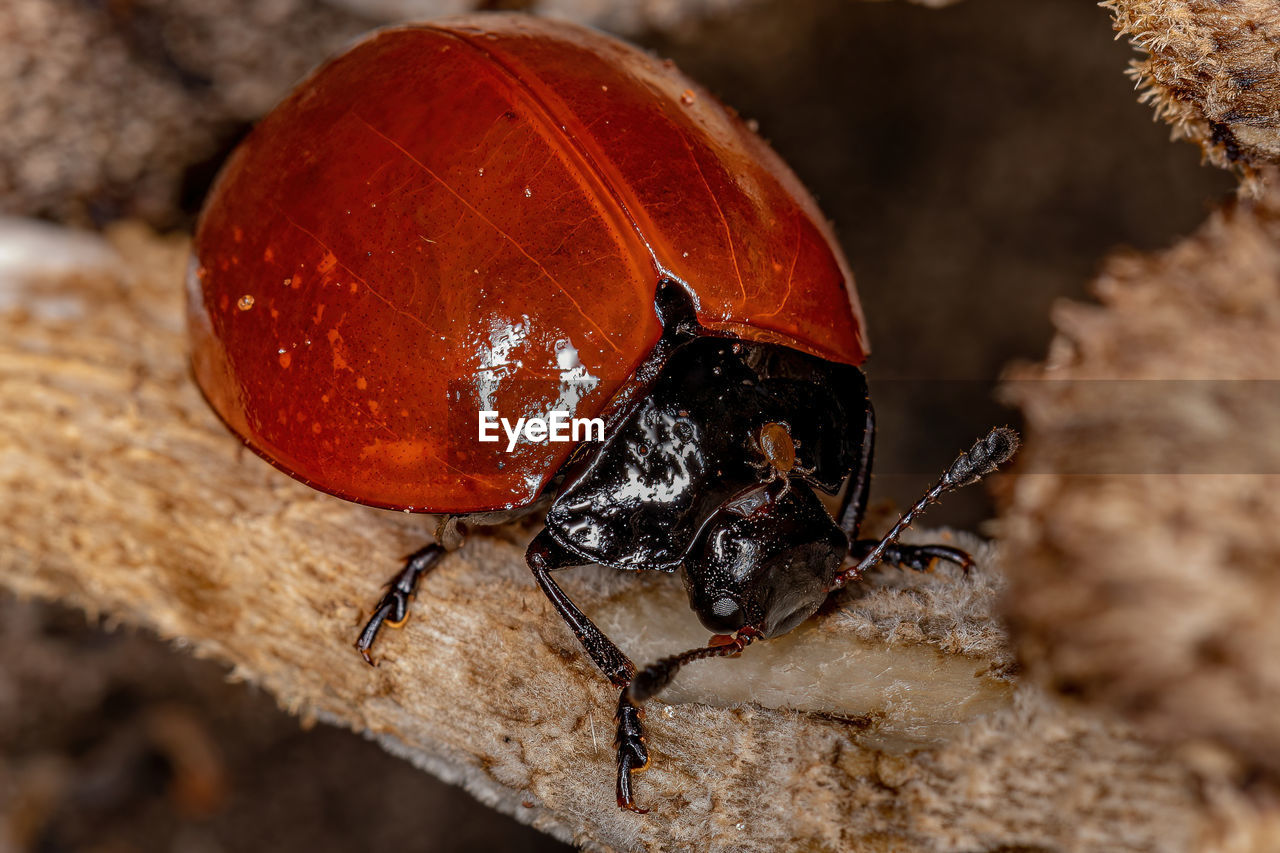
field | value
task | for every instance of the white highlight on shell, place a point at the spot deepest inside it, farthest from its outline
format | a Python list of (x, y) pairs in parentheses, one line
[(566, 355), (575, 380), (495, 356)]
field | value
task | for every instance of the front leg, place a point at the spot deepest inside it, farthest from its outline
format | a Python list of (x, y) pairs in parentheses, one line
[(633, 753), (544, 556)]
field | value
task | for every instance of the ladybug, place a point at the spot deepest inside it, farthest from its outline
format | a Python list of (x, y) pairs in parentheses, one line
[(500, 215)]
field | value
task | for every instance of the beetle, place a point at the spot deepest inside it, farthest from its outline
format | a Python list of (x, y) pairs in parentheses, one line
[(503, 214)]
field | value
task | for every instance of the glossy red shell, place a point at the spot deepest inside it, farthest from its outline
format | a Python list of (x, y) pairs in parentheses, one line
[(476, 214)]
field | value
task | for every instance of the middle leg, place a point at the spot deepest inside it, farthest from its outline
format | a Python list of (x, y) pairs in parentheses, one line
[(393, 610)]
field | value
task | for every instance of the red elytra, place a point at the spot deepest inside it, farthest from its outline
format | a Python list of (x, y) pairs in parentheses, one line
[(476, 214)]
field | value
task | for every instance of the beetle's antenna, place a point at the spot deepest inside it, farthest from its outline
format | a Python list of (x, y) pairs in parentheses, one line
[(655, 677), (986, 455)]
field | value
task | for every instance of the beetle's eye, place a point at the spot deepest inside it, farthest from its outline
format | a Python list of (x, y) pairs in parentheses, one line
[(724, 616)]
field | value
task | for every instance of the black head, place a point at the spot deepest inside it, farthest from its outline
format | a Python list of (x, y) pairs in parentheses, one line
[(766, 560)]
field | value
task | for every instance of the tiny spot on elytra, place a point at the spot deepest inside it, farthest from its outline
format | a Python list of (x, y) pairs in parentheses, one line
[(245, 303), (528, 193)]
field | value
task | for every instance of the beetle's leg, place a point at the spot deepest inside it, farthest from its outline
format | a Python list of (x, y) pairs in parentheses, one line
[(633, 755), (854, 506), (393, 609), (545, 556)]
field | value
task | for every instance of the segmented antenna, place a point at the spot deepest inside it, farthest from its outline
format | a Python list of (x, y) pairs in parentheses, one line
[(987, 454)]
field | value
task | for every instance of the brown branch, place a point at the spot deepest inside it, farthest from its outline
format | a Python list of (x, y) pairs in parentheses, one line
[(1212, 71), (120, 493), (1144, 536)]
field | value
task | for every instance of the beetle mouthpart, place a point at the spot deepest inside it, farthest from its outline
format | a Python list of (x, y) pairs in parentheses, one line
[(722, 640)]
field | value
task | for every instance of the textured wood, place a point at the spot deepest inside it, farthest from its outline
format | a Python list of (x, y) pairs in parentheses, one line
[(121, 493), (1210, 71), (1145, 536)]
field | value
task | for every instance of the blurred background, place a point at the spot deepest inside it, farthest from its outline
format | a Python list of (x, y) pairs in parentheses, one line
[(978, 162)]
